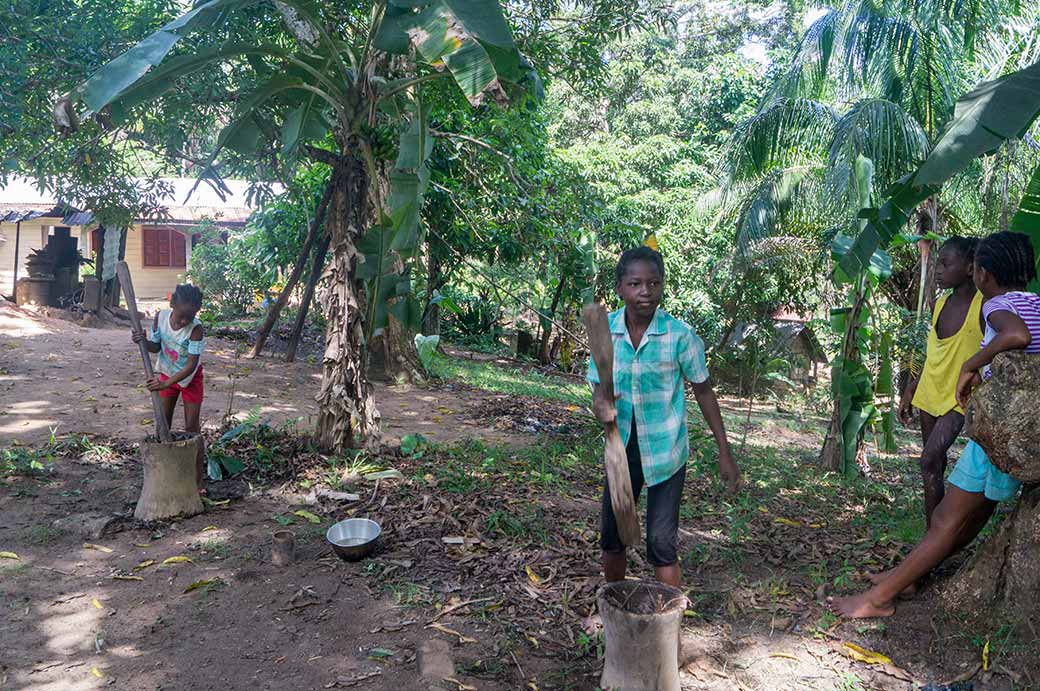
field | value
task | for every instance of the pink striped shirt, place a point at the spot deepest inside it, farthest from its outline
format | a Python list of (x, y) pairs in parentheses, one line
[(1025, 305)]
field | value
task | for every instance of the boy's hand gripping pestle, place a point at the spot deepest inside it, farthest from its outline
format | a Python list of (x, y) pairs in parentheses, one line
[(597, 326)]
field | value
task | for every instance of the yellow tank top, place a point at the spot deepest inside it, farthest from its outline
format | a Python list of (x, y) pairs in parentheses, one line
[(937, 389)]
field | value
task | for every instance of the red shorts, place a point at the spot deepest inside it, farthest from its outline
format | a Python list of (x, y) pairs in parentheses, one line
[(192, 393)]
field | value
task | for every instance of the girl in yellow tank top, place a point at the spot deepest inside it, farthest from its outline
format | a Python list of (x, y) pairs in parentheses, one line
[(955, 336)]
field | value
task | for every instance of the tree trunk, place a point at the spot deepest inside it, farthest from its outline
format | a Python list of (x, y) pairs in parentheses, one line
[(347, 410), (431, 324), (99, 263), (294, 277), (308, 293), (400, 361), (544, 346), (170, 478), (1003, 577)]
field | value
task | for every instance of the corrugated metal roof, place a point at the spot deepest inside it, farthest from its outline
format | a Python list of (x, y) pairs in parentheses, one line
[(187, 203)]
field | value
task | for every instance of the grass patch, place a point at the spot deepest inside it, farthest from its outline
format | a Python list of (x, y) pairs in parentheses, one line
[(503, 380), (216, 548), (41, 534)]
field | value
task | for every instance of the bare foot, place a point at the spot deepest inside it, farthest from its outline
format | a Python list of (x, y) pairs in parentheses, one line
[(876, 578), (860, 607)]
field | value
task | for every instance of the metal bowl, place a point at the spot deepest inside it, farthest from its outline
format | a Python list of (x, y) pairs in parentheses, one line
[(354, 538)]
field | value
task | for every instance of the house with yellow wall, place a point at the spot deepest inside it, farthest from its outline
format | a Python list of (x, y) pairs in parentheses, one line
[(158, 251)]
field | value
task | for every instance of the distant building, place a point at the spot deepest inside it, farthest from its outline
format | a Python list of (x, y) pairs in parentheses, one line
[(157, 251), (793, 339)]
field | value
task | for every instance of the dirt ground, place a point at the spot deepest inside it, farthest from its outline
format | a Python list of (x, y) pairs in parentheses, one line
[(57, 375), (85, 610)]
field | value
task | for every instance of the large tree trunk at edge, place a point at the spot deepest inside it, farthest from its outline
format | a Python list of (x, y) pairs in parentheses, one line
[(347, 410), (1002, 580), (301, 261), (308, 294)]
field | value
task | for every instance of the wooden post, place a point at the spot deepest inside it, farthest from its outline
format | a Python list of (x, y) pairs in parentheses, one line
[(162, 428), (17, 241), (616, 460)]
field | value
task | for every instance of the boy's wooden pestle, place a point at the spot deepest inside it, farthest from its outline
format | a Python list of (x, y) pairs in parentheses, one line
[(597, 325), (162, 428)]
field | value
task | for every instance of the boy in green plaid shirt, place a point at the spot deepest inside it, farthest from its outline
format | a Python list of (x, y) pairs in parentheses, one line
[(653, 354)]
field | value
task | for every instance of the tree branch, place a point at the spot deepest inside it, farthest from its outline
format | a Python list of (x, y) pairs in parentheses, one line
[(322, 155), (478, 142)]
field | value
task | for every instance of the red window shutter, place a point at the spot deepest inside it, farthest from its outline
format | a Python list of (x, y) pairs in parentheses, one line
[(150, 242), (178, 256), (164, 246)]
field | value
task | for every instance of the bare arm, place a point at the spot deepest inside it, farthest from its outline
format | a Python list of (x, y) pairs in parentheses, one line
[(906, 408), (709, 405), (136, 337), (1012, 334)]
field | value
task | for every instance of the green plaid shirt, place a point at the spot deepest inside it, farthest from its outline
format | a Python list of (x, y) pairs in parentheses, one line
[(650, 381)]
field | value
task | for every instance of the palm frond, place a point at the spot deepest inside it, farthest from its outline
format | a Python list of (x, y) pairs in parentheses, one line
[(790, 132), (770, 207), (905, 57), (881, 131), (807, 75)]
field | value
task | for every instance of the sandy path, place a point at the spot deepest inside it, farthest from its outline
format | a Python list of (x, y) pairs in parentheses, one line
[(55, 374)]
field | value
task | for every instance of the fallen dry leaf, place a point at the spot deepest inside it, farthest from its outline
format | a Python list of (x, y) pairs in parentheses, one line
[(310, 517), (451, 632), (99, 548), (786, 656), (177, 560), (9, 555), (203, 583), (863, 655)]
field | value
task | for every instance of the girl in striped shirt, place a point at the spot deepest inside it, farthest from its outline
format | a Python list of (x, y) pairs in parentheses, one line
[(1004, 266)]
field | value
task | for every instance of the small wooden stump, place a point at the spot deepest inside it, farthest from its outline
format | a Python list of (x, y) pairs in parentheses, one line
[(283, 548), (641, 625), (170, 487)]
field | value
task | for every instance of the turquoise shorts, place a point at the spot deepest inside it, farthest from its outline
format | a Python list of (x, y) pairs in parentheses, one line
[(975, 473)]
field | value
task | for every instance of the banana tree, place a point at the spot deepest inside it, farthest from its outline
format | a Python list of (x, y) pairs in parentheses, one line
[(332, 84)]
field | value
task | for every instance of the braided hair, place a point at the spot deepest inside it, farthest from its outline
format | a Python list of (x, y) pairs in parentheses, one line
[(1009, 257), (186, 294), (638, 254), (963, 246)]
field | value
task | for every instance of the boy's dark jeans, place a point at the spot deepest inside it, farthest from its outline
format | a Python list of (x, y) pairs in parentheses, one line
[(662, 511)]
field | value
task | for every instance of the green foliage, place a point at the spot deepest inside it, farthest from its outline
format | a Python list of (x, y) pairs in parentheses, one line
[(221, 268), (1027, 218), (19, 460), (426, 347), (475, 317)]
